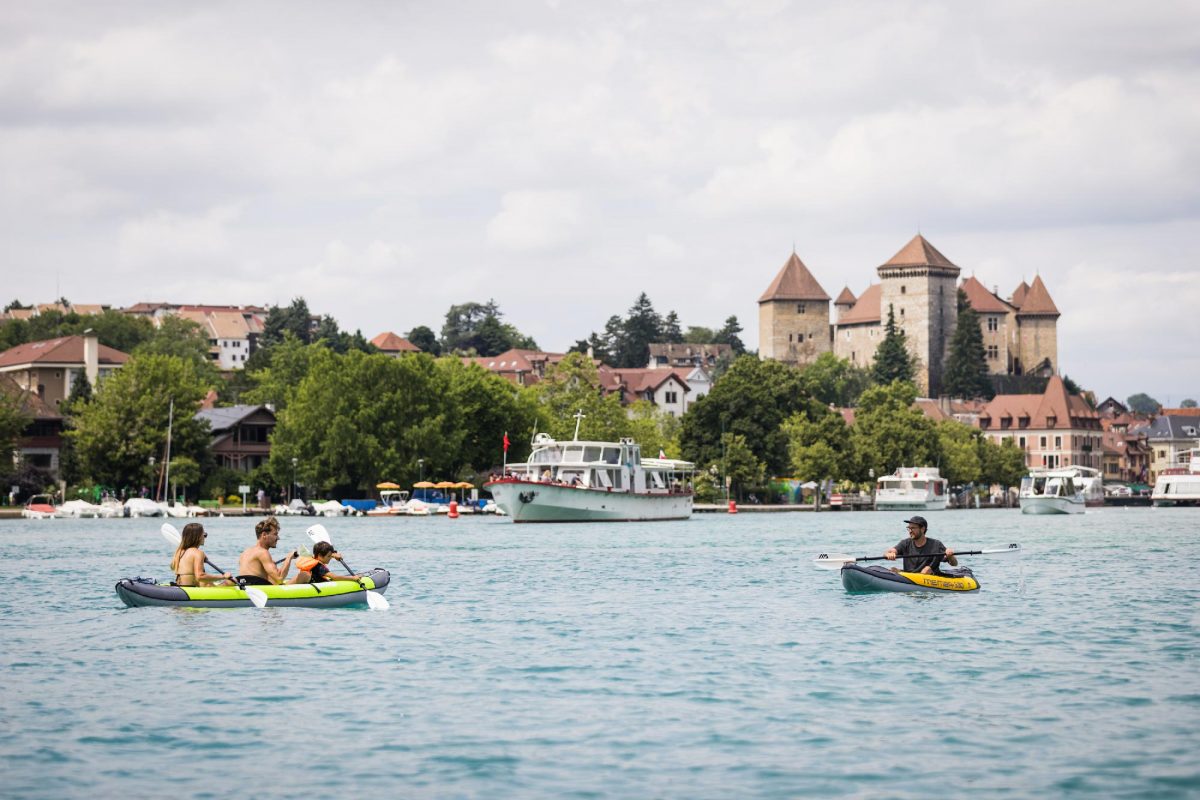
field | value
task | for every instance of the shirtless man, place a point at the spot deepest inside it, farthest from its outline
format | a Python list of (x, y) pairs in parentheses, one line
[(255, 567)]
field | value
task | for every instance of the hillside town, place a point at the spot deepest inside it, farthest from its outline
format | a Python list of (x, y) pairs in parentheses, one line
[(251, 364)]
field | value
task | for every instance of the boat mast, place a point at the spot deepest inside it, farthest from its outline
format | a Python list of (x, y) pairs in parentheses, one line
[(167, 461), (579, 415)]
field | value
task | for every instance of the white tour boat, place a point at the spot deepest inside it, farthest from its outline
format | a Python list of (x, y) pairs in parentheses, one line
[(1179, 485), (1052, 491), (593, 482), (391, 503), (911, 489)]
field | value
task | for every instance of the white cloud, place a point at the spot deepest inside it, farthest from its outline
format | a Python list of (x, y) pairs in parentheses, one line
[(536, 221), (175, 243)]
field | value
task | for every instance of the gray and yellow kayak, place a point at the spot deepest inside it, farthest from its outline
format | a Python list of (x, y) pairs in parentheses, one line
[(882, 579), (330, 594)]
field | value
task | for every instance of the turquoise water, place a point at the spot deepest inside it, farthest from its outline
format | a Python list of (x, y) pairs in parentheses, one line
[(705, 658)]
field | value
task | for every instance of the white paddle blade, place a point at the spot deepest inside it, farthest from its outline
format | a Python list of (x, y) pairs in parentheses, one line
[(318, 534), (1012, 548), (831, 560), (257, 596), (170, 534), (377, 602)]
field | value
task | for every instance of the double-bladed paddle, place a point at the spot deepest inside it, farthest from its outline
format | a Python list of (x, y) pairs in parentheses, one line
[(257, 596), (375, 600), (838, 560)]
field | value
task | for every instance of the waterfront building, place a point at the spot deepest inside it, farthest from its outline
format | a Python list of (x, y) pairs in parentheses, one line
[(793, 316), (1055, 429), (40, 444), (1169, 437), (49, 368), (394, 345), (241, 435)]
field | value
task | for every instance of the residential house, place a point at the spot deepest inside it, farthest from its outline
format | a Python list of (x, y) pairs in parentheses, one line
[(41, 442), (695, 362), (390, 344), (667, 389), (49, 368), (522, 367), (1169, 436), (1055, 429), (1126, 455), (241, 435), (232, 332)]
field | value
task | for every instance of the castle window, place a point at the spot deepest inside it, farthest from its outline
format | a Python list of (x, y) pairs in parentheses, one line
[(799, 308), (993, 352), (993, 323), (902, 291), (790, 337), (902, 312)]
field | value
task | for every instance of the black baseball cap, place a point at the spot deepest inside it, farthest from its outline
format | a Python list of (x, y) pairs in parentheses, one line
[(917, 521)]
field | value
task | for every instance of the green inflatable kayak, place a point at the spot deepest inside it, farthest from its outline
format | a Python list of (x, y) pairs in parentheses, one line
[(330, 594)]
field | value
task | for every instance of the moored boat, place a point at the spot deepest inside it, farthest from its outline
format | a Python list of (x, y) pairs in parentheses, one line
[(40, 506), (881, 579), (1051, 491), (136, 592), (911, 489), (583, 481), (1179, 484), (391, 504)]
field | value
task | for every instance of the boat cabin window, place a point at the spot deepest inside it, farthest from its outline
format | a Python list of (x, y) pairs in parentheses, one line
[(602, 479), (591, 453), (573, 454), (656, 480), (612, 455)]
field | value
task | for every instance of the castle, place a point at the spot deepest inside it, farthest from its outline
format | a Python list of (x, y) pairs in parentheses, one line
[(920, 286)]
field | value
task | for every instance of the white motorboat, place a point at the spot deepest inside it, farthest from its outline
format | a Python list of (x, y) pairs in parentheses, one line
[(593, 481), (330, 508), (1179, 484), (911, 489), (40, 506), (391, 504), (142, 507), (1052, 491), (1091, 483), (77, 509)]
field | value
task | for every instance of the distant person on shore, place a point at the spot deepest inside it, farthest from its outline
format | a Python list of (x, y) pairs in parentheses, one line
[(316, 569), (188, 563), (255, 567), (920, 553), (262, 498)]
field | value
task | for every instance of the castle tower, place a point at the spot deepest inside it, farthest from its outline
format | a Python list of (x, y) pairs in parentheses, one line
[(845, 301), (1037, 331), (921, 285), (793, 316)]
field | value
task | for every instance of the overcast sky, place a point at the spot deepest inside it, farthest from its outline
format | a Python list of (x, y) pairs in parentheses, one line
[(385, 160)]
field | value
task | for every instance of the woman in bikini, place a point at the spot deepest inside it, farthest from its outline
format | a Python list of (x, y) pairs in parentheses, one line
[(188, 563)]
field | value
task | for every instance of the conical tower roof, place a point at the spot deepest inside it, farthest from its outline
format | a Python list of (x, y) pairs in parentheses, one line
[(1018, 295), (1037, 301), (794, 282), (919, 253), (846, 298), (983, 301)]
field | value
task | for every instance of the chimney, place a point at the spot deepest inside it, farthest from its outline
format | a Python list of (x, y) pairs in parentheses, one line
[(591, 354), (91, 356)]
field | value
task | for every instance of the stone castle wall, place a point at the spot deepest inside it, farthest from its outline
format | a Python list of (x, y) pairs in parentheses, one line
[(793, 331)]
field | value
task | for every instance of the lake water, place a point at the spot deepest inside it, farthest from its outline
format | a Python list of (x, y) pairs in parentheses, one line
[(705, 658)]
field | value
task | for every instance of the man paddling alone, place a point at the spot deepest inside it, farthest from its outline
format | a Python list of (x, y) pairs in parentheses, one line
[(920, 553), (255, 567)]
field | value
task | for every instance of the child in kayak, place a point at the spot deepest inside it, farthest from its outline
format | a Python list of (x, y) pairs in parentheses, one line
[(188, 562), (316, 569)]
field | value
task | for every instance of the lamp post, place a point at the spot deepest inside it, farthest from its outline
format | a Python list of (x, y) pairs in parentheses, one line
[(152, 477), (293, 492), (421, 467), (871, 472)]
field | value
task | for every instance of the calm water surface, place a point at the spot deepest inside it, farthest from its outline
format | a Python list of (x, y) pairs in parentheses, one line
[(705, 658)]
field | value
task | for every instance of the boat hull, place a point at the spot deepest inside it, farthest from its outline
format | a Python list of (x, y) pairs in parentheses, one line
[(526, 501), (885, 504), (859, 579), (1052, 505), (139, 592)]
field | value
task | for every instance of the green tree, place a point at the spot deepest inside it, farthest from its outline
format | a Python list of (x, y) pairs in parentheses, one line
[(284, 367), (642, 327), (966, 373), (1143, 404), (959, 449), (1002, 464), (485, 407), (729, 335), (598, 345), (1188, 403), (14, 419), (116, 434), (77, 400), (742, 467), (697, 334), (892, 359), (821, 448), (835, 381), (672, 333), (653, 429), (889, 432), (425, 339), (752, 398), (185, 472), (573, 385), (181, 338), (477, 328)]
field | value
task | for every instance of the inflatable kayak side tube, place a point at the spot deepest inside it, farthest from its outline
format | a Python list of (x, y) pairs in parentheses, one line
[(137, 592), (881, 579)]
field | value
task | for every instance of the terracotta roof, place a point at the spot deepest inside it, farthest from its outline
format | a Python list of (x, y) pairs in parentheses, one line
[(685, 354), (389, 342), (646, 380), (31, 403), (931, 409), (87, 309), (866, 309), (1180, 412), (1054, 402), (1037, 301), (20, 313), (846, 298), (229, 324), (44, 307), (65, 350), (982, 300), (919, 253), (1018, 296), (794, 282), (145, 308)]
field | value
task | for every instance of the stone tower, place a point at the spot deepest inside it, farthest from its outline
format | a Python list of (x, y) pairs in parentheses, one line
[(1037, 331), (793, 316), (921, 285)]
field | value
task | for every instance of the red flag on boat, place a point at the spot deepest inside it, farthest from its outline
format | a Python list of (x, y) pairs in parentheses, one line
[(506, 441), (662, 453)]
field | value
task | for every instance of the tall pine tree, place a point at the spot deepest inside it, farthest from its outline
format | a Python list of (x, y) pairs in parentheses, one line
[(892, 360), (966, 368)]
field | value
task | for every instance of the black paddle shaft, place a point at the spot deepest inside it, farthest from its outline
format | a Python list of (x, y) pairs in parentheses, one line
[(930, 555)]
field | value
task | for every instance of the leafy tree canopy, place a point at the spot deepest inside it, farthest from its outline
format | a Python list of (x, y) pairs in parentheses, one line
[(835, 381), (476, 328), (1188, 403), (889, 433), (893, 362), (966, 373), (425, 339), (573, 385), (1143, 404)]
